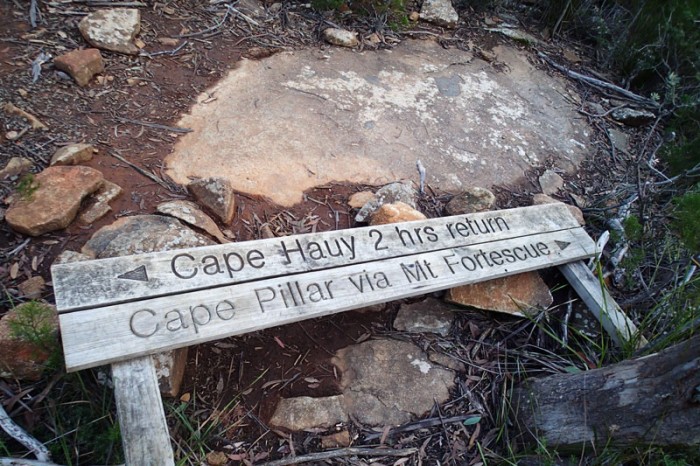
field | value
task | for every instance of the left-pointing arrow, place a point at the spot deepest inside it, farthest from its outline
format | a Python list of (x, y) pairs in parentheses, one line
[(138, 274)]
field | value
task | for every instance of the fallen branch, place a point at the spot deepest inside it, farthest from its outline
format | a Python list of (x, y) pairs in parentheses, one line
[(23, 462), (34, 121), (141, 170), (599, 83), (422, 424), (17, 433), (147, 124), (350, 451)]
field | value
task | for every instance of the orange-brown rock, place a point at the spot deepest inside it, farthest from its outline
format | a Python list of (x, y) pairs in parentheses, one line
[(516, 294), (55, 201), (395, 213), (358, 200), (81, 65), (20, 358)]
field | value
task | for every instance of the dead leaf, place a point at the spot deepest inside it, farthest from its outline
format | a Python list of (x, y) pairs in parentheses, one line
[(185, 398)]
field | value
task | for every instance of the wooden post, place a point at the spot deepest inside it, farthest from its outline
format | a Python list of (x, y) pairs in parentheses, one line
[(620, 328), (653, 400), (145, 436)]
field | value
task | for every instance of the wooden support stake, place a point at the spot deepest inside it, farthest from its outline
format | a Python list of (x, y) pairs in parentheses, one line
[(620, 328), (145, 436)]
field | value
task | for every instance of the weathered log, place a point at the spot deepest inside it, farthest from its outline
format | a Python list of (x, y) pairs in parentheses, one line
[(653, 400)]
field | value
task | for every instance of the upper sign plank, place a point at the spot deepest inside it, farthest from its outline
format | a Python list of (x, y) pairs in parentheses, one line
[(81, 285), (98, 336)]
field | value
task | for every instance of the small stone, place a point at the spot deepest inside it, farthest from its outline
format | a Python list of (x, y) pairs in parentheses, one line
[(73, 154), (341, 37), (515, 294), (303, 412), (470, 201), (427, 316), (388, 194), (20, 358), (373, 39), (98, 205), (81, 65), (169, 41), (620, 140), (340, 439), (633, 117), (571, 56), (190, 213), (55, 203), (139, 234), (395, 213), (112, 29), (15, 167), (551, 182), (216, 458), (12, 135), (32, 287), (595, 108), (539, 199), (389, 382), (414, 16), (440, 12), (22, 92), (215, 194), (357, 200)]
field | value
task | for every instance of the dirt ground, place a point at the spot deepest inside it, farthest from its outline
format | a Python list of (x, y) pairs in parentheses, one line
[(232, 386)]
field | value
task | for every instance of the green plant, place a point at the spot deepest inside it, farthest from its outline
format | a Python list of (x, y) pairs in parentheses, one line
[(327, 5), (81, 427), (34, 322), (27, 186), (687, 219)]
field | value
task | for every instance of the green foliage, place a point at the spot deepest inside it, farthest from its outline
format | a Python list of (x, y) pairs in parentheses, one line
[(83, 427), (27, 186), (633, 228), (34, 322), (687, 219), (327, 5)]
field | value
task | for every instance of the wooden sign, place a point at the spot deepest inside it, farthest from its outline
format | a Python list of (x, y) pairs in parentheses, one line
[(97, 336), (101, 282)]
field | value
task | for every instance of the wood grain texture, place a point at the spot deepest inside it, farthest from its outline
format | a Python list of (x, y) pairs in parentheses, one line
[(94, 283), (145, 435), (654, 400), (97, 336), (596, 296)]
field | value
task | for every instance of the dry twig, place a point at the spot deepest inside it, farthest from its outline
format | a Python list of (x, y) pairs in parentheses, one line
[(350, 451)]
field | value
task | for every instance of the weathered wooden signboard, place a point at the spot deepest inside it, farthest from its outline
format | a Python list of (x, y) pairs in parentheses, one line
[(121, 279), (116, 310), (202, 294)]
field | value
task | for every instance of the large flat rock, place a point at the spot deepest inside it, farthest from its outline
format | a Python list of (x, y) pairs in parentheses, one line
[(301, 119)]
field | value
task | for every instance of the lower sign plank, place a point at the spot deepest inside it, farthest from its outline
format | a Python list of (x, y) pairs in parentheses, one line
[(98, 336)]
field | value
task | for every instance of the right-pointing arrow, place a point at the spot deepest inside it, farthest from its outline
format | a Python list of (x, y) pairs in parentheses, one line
[(562, 244)]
